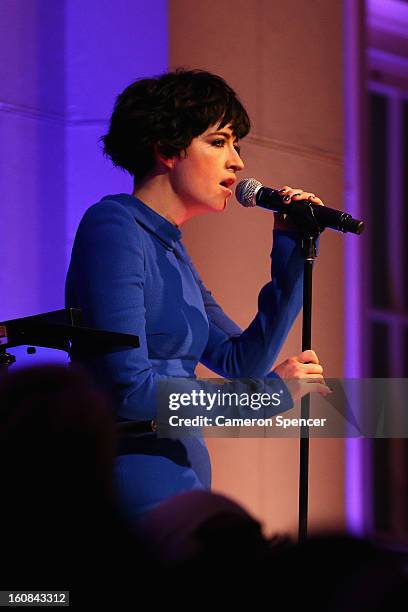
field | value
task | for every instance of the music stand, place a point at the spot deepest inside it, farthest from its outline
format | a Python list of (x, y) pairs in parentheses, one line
[(58, 329)]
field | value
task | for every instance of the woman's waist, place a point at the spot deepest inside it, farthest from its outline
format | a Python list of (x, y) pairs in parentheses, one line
[(174, 367)]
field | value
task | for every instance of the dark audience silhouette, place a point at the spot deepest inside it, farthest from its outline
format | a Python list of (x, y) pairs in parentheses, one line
[(60, 528)]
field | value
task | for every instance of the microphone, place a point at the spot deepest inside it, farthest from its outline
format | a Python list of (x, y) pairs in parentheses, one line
[(251, 192)]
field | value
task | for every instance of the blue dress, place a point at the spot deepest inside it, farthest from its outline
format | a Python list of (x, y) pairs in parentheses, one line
[(129, 272)]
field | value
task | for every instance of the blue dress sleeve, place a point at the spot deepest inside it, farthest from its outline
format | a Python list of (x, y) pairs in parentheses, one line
[(233, 353)]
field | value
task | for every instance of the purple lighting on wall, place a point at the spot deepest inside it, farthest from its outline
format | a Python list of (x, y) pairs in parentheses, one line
[(130, 42), (354, 84), (66, 63)]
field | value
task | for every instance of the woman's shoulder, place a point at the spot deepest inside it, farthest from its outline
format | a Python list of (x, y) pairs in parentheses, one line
[(114, 205), (113, 211), (108, 222)]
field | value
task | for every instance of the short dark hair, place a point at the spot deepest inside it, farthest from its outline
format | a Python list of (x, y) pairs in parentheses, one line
[(167, 112)]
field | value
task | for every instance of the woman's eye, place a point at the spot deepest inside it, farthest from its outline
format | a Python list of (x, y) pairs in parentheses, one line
[(221, 143)]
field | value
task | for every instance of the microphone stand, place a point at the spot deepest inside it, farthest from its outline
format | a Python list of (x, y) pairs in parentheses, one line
[(309, 254), (307, 222)]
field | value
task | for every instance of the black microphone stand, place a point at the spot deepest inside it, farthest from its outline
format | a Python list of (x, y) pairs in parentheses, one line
[(305, 219), (310, 228), (309, 254)]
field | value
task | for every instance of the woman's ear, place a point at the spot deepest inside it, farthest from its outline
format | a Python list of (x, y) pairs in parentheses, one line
[(161, 159)]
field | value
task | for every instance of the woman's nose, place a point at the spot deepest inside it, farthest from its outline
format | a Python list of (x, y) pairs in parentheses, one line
[(235, 161)]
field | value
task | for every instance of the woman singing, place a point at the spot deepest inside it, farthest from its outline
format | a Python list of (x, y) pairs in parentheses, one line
[(177, 135)]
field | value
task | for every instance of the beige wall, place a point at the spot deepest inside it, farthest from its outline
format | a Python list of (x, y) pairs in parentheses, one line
[(285, 61)]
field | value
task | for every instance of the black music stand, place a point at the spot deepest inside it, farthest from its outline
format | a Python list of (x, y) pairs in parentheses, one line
[(58, 329)]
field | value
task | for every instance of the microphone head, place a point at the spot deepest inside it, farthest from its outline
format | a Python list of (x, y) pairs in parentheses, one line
[(246, 191)]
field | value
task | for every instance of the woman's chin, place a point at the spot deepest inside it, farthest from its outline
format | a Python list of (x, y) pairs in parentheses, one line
[(214, 207), (222, 206), (219, 208)]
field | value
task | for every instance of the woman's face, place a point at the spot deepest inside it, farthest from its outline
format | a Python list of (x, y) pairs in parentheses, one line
[(202, 179)]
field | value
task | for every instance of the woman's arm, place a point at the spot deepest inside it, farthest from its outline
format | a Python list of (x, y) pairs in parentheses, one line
[(231, 352), (106, 280)]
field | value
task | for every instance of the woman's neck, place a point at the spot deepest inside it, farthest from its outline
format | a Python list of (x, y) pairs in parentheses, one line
[(156, 193)]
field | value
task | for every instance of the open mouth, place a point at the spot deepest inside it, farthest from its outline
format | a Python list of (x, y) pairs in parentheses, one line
[(226, 185)]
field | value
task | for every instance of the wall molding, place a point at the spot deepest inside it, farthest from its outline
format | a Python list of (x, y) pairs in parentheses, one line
[(293, 149), (30, 112), (390, 16), (388, 68), (260, 141)]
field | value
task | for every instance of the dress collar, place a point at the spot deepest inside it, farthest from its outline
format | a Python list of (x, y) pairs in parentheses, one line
[(168, 233)]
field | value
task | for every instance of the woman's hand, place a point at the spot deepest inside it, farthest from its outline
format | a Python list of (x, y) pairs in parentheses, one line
[(303, 374), (282, 221)]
